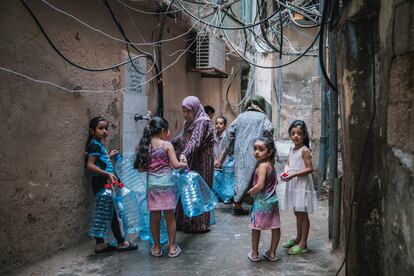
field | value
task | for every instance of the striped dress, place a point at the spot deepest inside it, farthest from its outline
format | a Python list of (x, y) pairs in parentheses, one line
[(161, 190)]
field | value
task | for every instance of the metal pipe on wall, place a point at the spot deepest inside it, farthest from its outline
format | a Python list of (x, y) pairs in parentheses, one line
[(333, 146)]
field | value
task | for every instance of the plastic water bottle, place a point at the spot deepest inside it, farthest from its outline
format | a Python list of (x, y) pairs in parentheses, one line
[(129, 176), (226, 192), (217, 181), (145, 224), (196, 196), (102, 213), (126, 203)]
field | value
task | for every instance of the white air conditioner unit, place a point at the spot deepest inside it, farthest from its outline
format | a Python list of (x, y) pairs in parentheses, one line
[(210, 54)]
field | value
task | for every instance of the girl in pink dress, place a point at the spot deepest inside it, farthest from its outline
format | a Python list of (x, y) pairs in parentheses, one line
[(265, 211), (156, 156)]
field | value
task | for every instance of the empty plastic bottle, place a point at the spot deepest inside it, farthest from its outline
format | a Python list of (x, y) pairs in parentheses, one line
[(226, 191), (126, 203), (218, 178), (102, 212), (145, 225), (132, 178), (196, 196)]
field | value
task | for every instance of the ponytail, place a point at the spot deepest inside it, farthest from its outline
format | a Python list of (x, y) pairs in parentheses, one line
[(155, 126)]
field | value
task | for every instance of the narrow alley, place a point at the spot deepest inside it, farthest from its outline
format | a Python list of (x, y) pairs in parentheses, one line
[(239, 122)]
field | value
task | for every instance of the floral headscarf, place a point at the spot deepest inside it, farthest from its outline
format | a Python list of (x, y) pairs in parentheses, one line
[(193, 103)]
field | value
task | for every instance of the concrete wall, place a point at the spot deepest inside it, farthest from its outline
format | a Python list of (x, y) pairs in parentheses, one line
[(301, 91), (375, 48), (45, 195)]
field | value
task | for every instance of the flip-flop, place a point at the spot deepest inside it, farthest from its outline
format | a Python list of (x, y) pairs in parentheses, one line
[(176, 253), (108, 248), (159, 254), (131, 246), (297, 250), (251, 258), (289, 244), (266, 255)]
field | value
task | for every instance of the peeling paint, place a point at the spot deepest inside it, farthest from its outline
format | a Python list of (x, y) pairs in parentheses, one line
[(291, 98), (348, 83)]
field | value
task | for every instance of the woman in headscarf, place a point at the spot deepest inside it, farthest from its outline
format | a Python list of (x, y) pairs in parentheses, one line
[(247, 127), (195, 146)]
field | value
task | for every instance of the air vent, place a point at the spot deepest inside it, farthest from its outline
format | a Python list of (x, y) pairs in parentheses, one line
[(210, 55)]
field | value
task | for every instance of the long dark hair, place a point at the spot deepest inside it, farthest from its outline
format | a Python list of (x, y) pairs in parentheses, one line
[(302, 125), (267, 139), (155, 126), (92, 126)]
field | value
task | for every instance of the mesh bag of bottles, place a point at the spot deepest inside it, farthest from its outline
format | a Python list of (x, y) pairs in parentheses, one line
[(196, 196)]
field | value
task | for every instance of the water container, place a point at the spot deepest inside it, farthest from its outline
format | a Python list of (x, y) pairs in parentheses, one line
[(102, 212), (196, 196), (126, 203), (128, 175), (226, 191), (217, 181), (145, 225)]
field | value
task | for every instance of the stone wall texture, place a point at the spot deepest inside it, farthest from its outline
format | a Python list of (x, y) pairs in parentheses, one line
[(375, 71), (45, 198)]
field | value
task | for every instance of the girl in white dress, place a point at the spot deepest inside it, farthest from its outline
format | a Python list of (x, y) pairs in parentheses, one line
[(300, 193)]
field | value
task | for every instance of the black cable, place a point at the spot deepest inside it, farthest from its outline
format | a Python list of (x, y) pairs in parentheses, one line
[(224, 27), (321, 45), (269, 67), (158, 73), (263, 26), (59, 52), (281, 33)]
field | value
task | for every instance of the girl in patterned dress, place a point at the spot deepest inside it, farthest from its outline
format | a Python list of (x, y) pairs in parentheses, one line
[(157, 156), (299, 194), (265, 211)]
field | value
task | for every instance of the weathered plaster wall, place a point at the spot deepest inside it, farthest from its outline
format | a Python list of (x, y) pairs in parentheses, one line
[(375, 68), (45, 199), (301, 91)]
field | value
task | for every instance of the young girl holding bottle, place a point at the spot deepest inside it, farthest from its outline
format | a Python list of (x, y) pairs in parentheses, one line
[(100, 165), (265, 211), (299, 194), (156, 156)]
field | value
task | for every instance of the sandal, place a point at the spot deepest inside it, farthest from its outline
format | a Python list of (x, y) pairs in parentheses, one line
[(131, 246), (289, 244), (266, 255), (176, 253), (297, 250), (106, 249), (251, 258), (159, 254)]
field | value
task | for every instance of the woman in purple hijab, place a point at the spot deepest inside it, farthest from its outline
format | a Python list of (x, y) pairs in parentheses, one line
[(195, 146)]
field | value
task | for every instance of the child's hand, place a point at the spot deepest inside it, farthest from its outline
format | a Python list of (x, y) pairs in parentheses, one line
[(286, 177), (183, 158), (112, 178), (113, 153), (218, 164)]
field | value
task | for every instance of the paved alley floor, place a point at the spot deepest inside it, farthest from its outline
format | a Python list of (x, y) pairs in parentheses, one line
[(222, 251)]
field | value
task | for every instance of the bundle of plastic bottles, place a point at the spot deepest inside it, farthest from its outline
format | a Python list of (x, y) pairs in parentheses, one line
[(196, 196), (137, 182)]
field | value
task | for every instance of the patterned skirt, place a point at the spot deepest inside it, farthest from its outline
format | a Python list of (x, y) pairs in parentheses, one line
[(265, 213), (161, 192)]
